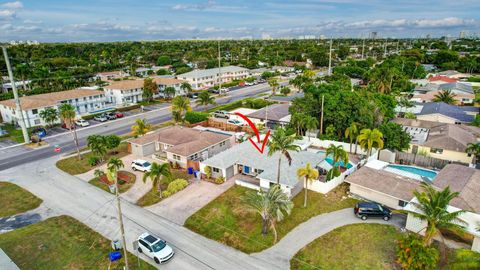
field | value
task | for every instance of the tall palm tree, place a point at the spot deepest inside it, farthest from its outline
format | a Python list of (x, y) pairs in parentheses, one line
[(67, 114), (49, 116), (205, 98), (351, 133), (156, 173), (272, 206), (185, 86), (97, 145), (433, 209), (181, 105), (338, 155), (474, 149), (298, 120), (370, 138), (273, 83), (282, 143), (114, 164), (141, 127), (309, 174), (170, 92), (445, 96), (311, 123)]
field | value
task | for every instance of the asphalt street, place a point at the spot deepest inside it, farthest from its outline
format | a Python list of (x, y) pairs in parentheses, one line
[(18, 155)]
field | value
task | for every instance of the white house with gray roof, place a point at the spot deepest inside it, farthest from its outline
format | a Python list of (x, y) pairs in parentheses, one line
[(206, 78), (243, 160)]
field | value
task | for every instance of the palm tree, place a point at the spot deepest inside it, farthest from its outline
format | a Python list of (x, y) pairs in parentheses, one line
[(311, 123), (351, 133), (205, 98), (474, 149), (181, 105), (272, 206), (141, 127), (97, 145), (67, 114), (445, 96), (298, 120), (185, 86), (114, 164), (433, 209), (49, 116), (309, 174), (273, 83), (338, 155), (170, 92), (156, 173), (282, 143), (370, 138)]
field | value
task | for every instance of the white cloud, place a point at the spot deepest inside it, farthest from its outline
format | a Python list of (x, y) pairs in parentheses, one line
[(27, 21), (7, 14), (12, 5), (200, 6)]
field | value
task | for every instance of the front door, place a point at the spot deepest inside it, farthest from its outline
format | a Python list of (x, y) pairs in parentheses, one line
[(246, 169)]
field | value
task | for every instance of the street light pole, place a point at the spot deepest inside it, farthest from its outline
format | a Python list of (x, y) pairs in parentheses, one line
[(120, 218), (18, 106), (330, 59)]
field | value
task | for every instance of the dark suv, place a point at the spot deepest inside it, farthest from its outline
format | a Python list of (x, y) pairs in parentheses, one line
[(365, 210)]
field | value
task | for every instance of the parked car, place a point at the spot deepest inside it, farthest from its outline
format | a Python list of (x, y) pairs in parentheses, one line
[(192, 95), (82, 123), (141, 165), (101, 118), (221, 114), (249, 83), (111, 115), (365, 210), (119, 114), (214, 91), (224, 90), (64, 125), (155, 248), (235, 122), (40, 132)]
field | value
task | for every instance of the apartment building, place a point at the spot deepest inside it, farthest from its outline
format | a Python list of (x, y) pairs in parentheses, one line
[(206, 78), (85, 101)]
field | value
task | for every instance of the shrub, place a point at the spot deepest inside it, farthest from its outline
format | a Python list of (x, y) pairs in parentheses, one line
[(220, 180), (177, 185), (412, 254), (195, 117), (93, 161), (208, 171), (285, 90), (129, 108), (166, 194)]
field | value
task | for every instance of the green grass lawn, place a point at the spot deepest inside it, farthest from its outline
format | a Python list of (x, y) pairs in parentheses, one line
[(61, 243), (153, 196), (74, 166), (15, 200), (14, 134), (351, 247), (227, 220), (122, 187)]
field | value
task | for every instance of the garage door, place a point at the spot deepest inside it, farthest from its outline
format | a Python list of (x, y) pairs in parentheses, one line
[(229, 172)]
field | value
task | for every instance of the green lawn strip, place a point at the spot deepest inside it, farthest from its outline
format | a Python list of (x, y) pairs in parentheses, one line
[(122, 187), (74, 166), (14, 134), (153, 196), (15, 200), (226, 219), (357, 246), (61, 243)]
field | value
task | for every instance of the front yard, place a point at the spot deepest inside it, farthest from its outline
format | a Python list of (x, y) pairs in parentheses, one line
[(227, 220), (15, 200), (61, 243), (357, 246), (123, 184), (73, 166)]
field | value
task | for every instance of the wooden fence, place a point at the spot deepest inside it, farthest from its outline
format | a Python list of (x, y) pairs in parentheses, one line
[(223, 125), (422, 161)]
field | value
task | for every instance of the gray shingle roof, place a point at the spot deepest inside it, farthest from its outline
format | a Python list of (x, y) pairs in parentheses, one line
[(273, 112), (462, 87), (456, 112), (246, 154)]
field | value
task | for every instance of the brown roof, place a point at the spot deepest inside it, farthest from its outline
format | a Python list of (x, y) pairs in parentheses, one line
[(445, 136), (273, 112), (184, 141), (107, 73), (430, 96), (385, 182), (167, 81), (134, 84), (464, 180), (50, 99)]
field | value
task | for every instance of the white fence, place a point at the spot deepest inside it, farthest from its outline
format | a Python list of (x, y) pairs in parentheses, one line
[(346, 146), (247, 185)]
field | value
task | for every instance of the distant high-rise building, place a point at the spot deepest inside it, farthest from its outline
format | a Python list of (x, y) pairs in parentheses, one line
[(322, 37), (373, 35), (462, 34)]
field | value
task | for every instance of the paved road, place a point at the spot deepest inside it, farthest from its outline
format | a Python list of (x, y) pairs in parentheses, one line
[(67, 194), (18, 155)]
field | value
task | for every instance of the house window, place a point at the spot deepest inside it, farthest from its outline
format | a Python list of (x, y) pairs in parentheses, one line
[(37, 122), (34, 111), (469, 154), (402, 203), (215, 170), (176, 157), (436, 150)]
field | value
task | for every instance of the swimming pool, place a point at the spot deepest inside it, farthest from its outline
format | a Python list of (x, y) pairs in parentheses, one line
[(340, 163), (414, 170)]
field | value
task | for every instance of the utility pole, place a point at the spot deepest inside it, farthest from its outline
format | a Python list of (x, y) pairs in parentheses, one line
[(219, 69), (330, 59), (18, 106), (363, 48), (321, 116), (120, 218)]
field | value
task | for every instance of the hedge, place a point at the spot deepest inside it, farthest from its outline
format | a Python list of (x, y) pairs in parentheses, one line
[(129, 108), (174, 187), (195, 117)]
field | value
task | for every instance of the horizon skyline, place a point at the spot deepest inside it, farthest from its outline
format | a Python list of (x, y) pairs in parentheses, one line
[(107, 21)]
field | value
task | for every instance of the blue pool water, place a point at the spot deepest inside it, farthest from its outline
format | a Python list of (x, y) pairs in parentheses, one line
[(415, 170), (340, 163)]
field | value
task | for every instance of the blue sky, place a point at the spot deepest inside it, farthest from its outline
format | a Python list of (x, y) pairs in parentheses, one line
[(117, 20)]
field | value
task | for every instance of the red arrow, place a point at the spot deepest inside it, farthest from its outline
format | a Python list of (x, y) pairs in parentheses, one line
[(254, 128)]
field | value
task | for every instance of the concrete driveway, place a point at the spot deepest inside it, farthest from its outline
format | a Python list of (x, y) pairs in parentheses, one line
[(183, 204)]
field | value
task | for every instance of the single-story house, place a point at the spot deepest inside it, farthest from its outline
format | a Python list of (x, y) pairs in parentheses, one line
[(445, 113), (374, 182), (261, 169), (180, 144), (460, 97), (286, 99), (441, 79), (272, 115), (440, 140)]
